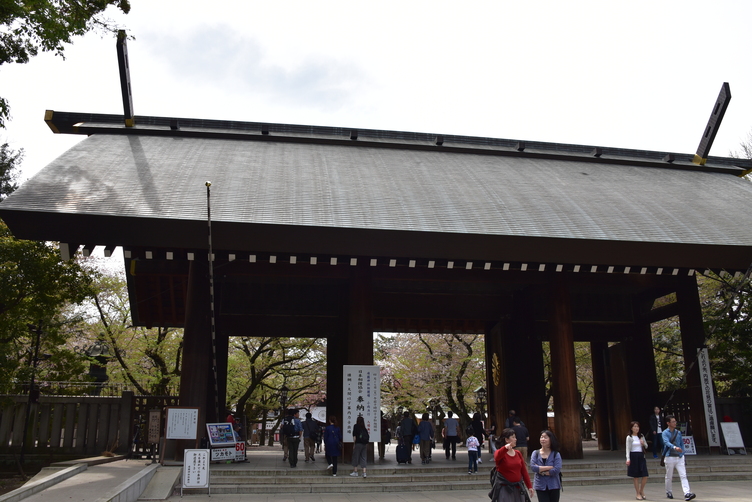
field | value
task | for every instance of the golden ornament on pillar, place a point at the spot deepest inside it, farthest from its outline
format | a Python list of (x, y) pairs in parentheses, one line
[(495, 369)]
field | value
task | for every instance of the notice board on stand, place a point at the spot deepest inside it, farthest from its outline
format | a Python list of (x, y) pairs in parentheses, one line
[(181, 423)]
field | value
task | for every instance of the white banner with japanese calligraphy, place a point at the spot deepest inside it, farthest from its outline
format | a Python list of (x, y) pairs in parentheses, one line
[(361, 397), (708, 397)]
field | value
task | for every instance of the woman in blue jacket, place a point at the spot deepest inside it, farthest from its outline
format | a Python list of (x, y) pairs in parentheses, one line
[(332, 441), (546, 464)]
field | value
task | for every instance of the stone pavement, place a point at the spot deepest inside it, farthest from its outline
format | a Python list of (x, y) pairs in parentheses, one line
[(733, 491)]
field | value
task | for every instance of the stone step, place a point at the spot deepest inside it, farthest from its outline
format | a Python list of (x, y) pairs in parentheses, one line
[(371, 484)]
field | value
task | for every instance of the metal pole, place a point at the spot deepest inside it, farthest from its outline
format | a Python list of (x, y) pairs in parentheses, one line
[(211, 302)]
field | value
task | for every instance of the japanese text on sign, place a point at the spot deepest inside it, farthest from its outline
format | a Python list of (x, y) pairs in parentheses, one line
[(182, 423), (361, 397), (196, 469)]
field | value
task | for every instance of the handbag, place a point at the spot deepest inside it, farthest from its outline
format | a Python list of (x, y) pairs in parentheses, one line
[(416, 439)]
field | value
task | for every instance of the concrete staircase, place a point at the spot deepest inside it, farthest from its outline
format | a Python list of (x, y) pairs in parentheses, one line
[(436, 477)]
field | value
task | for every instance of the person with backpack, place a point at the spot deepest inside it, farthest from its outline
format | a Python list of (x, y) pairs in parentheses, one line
[(426, 433), (546, 464), (361, 438), (310, 437), (292, 430), (408, 429)]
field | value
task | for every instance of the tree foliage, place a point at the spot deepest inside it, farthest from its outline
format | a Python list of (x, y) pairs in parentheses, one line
[(259, 367), (35, 287), (419, 367), (28, 27), (727, 309), (9, 162), (147, 359)]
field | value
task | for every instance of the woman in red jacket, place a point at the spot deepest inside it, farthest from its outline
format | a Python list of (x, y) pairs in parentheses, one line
[(510, 478)]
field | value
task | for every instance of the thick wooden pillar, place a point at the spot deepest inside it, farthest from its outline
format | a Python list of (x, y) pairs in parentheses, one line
[(352, 344), (621, 407), (563, 373), (693, 338), (641, 372), (598, 355), (196, 376), (496, 381), (526, 379)]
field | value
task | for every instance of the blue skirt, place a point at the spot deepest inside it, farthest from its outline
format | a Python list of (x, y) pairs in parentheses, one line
[(638, 468)]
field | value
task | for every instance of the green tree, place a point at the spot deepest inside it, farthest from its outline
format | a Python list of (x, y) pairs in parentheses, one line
[(420, 367), (35, 287), (727, 309), (145, 358), (30, 26), (259, 367), (9, 161)]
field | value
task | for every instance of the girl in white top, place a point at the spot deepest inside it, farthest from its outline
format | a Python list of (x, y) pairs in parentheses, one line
[(637, 468)]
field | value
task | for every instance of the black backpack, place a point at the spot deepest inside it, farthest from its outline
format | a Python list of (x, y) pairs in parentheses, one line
[(288, 426), (363, 437), (313, 430)]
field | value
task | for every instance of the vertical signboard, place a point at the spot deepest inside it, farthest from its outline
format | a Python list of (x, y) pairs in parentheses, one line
[(196, 470), (361, 397), (155, 418), (708, 397)]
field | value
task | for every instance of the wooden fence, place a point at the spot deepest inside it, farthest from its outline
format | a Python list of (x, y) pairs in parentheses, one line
[(79, 425)]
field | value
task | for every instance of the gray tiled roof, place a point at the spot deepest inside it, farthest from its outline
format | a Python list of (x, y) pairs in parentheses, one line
[(393, 189)]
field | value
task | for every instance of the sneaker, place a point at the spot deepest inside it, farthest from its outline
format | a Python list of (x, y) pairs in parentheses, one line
[(313, 459), (354, 474), (470, 472), (669, 495), (330, 466), (689, 496), (334, 475), (480, 461), (365, 475)]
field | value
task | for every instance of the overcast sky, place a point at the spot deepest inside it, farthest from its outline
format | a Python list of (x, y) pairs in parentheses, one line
[(633, 74)]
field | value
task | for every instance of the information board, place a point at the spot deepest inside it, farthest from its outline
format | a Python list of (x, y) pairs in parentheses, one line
[(220, 434), (689, 445), (196, 469), (235, 453), (732, 435), (361, 396), (182, 423), (155, 418)]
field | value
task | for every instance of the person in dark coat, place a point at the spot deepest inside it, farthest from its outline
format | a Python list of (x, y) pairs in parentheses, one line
[(479, 432), (332, 443)]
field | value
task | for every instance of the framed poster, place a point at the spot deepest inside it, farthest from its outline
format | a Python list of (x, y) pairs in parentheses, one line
[(220, 434)]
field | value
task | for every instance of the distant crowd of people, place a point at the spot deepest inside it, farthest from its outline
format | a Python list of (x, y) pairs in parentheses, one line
[(509, 448)]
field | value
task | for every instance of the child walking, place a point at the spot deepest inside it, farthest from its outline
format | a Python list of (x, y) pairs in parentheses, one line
[(472, 454)]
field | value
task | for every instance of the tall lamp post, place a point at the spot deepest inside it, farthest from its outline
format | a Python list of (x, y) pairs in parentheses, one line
[(480, 400), (434, 404), (283, 397)]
